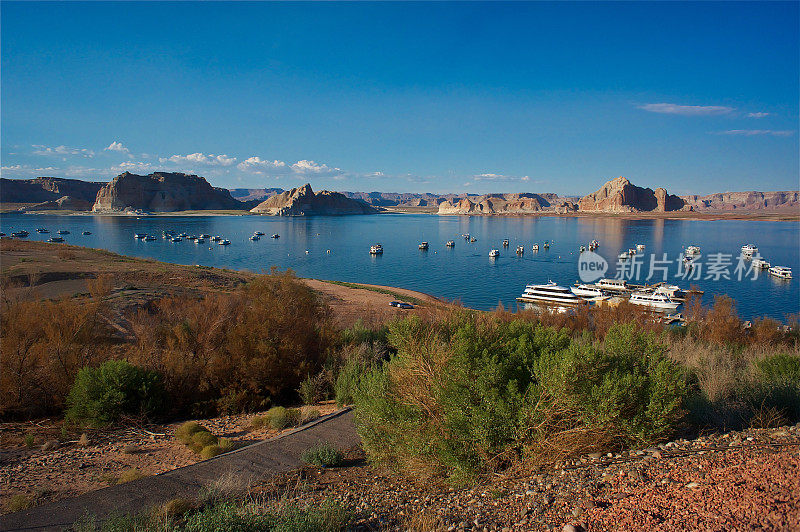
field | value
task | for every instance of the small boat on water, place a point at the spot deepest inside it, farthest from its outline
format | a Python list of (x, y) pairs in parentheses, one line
[(258, 233), (55, 239), (494, 253), (255, 238), (669, 290), (631, 251), (473, 239), (224, 242), (535, 247), (692, 250), (176, 239), (761, 264), (423, 245), (782, 272), (276, 235), (586, 291), (184, 235), (550, 294), (639, 247), (583, 248), (749, 249), (376, 249), (137, 236), (505, 243), (200, 241), (209, 236), (655, 301), (546, 244), (63, 232), (450, 244), (149, 238), (216, 238), (20, 234), (89, 233), (42, 230), (520, 250)]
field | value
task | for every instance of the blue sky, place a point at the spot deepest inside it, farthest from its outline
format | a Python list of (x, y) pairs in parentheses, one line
[(444, 97)]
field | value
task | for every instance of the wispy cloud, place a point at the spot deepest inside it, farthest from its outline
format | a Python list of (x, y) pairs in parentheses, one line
[(757, 115), (311, 168), (756, 132), (687, 110), (200, 158), (257, 165), (61, 151), (500, 177)]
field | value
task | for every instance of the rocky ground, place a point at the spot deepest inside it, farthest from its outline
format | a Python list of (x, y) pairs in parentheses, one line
[(737, 481), (58, 465)]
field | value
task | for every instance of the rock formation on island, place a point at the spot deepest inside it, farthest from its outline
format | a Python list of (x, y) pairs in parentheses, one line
[(46, 189), (163, 192), (620, 195), (521, 203), (787, 200), (303, 201)]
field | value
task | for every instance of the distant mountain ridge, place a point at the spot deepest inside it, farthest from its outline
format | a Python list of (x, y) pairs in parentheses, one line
[(171, 191), (303, 201)]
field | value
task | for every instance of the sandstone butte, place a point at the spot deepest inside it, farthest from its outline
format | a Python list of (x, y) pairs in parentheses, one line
[(162, 192), (45, 189), (519, 203), (620, 195), (302, 201)]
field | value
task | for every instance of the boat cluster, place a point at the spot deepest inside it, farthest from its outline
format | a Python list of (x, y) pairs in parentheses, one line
[(750, 251), (45, 231)]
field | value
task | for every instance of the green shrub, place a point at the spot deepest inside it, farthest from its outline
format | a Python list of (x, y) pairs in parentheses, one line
[(185, 432), (780, 367), (130, 475), (116, 388), (308, 391), (203, 438), (210, 451), (323, 455), (18, 503), (225, 445), (259, 422), (281, 418), (468, 393), (310, 415), (29, 440), (176, 507)]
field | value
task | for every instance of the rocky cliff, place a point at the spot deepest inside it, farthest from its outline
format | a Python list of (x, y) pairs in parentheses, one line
[(497, 204), (162, 192), (620, 195), (43, 189), (745, 201), (65, 203), (302, 201)]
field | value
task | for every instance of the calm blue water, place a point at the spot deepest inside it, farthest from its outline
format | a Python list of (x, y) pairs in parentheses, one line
[(466, 272)]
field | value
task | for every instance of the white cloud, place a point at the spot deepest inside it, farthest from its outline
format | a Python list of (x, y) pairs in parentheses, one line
[(132, 166), (500, 178), (757, 115), (257, 165), (201, 158), (755, 132), (686, 110), (117, 146), (61, 151), (307, 168)]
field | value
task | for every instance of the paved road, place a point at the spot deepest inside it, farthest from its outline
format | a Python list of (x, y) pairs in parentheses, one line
[(269, 457)]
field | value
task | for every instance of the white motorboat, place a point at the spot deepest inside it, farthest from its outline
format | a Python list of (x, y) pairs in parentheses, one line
[(256, 233), (535, 247), (376, 249), (616, 285), (62, 232), (450, 244), (224, 242), (761, 264), (55, 239), (586, 291), (669, 290), (583, 248), (692, 250), (631, 251), (505, 243), (494, 253), (655, 301), (473, 239), (276, 235), (546, 244), (176, 239), (639, 247), (550, 294), (749, 249), (520, 250), (19, 234), (782, 272), (423, 245), (255, 238), (149, 238), (42, 230)]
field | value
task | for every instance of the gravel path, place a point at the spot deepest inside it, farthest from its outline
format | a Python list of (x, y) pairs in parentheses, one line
[(249, 464)]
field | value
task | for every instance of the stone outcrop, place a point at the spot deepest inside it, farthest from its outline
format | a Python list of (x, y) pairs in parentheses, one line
[(44, 189), (65, 203), (496, 204), (620, 195), (162, 192), (745, 201), (250, 194), (303, 201)]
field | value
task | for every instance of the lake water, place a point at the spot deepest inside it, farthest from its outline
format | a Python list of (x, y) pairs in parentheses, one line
[(465, 272)]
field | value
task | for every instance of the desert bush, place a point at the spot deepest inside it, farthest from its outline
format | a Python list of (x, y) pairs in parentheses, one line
[(102, 395), (225, 444), (310, 415), (43, 345), (323, 455), (281, 418), (308, 392), (185, 432), (130, 475), (469, 393), (249, 346), (259, 422), (28, 440), (18, 502), (177, 507), (210, 451)]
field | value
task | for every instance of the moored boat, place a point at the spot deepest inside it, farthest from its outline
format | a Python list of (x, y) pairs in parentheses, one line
[(615, 285), (782, 272), (494, 253), (376, 249), (450, 244), (423, 245), (760, 264), (749, 249), (550, 294), (655, 301), (586, 291)]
